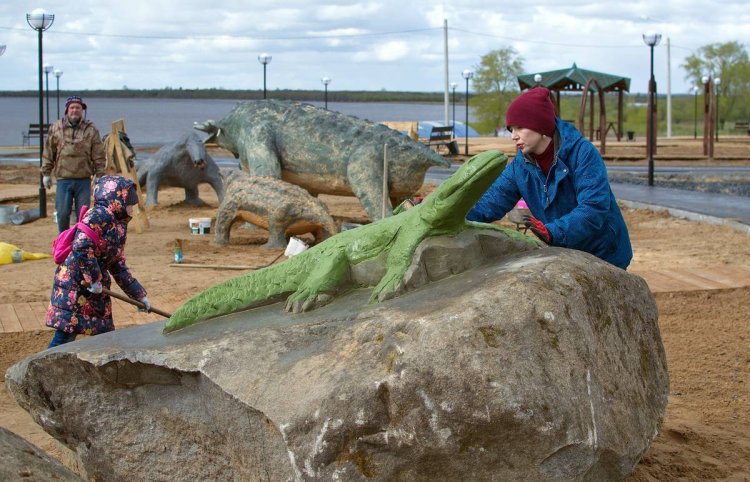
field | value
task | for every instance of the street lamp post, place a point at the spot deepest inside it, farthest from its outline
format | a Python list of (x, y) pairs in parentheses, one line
[(47, 69), (717, 82), (453, 124), (40, 21), (58, 74), (651, 39), (326, 81), (708, 117), (467, 74), (695, 113), (264, 59)]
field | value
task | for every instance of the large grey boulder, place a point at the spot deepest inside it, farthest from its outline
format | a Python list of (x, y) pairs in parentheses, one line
[(544, 365), (22, 460)]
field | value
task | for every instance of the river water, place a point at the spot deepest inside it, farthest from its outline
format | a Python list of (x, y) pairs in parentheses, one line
[(158, 121)]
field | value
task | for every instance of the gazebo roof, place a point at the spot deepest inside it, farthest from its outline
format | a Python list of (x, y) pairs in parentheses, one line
[(574, 79)]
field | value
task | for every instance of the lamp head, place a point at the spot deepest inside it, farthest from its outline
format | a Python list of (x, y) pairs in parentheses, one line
[(264, 58), (39, 19), (467, 74), (717, 81), (454, 85), (705, 79), (326, 80), (651, 38), (48, 68), (537, 78), (58, 73)]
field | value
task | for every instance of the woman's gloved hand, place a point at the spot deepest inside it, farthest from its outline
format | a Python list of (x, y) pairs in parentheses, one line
[(96, 287), (146, 302), (537, 227)]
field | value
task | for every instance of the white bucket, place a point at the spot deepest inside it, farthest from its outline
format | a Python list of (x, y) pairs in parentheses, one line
[(295, 246), (200, 225), (6, 212)]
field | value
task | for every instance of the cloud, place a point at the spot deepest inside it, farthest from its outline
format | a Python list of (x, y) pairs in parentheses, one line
[(365, 45)]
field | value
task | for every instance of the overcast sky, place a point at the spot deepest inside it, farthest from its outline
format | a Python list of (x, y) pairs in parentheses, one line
[(367, 45)]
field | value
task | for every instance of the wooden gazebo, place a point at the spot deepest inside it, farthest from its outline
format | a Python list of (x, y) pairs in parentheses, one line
[(589, 83)]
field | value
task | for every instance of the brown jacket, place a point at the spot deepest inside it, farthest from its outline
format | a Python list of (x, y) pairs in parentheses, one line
[(73, 152)]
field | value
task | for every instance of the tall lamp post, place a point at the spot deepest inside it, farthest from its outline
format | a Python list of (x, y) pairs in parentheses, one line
[(40, 21), (695, 111), (326, 81), (58, 74), (264, 59), (47, 69), (717, 82), (652, 40), (467, 74), (453, 124)]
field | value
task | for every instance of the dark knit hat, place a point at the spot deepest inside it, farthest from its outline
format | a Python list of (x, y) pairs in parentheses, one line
[(74, 99), (533, 110)]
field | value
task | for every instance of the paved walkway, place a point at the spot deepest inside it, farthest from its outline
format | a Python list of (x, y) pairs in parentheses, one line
[(696, 205)]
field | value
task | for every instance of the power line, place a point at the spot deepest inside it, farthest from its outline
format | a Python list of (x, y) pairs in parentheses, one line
[(248, 37)]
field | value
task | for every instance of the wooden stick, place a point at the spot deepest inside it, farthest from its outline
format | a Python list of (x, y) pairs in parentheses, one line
[(224, 266), (136, 303), (385, 180), (210, 266)]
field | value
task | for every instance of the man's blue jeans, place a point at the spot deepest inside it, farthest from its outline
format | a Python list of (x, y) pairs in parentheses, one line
[(70, 191)]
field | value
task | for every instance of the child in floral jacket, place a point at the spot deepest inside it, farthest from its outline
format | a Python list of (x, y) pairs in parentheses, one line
[(78, 308)]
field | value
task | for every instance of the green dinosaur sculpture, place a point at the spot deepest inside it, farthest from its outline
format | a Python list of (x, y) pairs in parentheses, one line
[(311, 279)]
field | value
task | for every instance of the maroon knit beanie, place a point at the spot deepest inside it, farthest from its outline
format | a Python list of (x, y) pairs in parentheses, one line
[(533, 110)]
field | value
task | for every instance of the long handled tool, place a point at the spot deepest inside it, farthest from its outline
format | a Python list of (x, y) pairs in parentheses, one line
[(127, 299)]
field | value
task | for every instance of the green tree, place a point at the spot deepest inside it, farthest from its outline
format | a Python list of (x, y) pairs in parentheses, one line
[(728, 61), (495, 83)]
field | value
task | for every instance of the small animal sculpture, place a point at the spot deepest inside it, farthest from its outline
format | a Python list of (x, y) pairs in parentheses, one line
[(182, 163), (323, 151), (377, 254), (272, 204)]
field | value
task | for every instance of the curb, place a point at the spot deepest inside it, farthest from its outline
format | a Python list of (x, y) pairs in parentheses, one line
[(689, 215)]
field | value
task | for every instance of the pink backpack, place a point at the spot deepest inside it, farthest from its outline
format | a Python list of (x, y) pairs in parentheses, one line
[(63, 243)]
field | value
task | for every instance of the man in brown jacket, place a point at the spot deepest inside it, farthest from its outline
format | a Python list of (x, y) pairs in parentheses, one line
[(73, 153)]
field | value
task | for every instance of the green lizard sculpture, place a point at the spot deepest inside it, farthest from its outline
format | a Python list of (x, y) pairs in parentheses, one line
[(312, 278)]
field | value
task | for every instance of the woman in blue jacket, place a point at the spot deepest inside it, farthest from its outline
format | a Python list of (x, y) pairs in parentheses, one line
[(563, 180)]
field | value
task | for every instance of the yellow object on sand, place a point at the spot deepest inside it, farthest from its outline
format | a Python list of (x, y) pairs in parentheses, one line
[(6, 254)]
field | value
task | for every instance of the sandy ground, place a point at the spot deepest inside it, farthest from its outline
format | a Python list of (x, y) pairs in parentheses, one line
[(706, 433)]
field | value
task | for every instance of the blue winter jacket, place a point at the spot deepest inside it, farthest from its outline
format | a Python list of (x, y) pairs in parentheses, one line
[(574, 202)]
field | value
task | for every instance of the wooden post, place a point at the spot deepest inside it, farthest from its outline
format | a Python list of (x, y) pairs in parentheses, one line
[(385, 180), (117, 156)]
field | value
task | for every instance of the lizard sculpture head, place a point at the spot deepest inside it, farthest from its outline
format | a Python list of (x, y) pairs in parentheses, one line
[(453, 199)]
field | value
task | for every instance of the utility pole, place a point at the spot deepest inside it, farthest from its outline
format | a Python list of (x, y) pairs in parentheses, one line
[(669, 89)]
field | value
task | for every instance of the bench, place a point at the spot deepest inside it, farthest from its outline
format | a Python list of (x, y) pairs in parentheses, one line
[(410, 129), (442, 136), (35, 130), (742, 127)]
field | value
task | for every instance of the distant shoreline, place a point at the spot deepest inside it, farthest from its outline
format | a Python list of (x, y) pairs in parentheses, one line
[(218, 94)]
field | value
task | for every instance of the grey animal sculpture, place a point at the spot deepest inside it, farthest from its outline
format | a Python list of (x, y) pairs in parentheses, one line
[(323, 151), (272, 204), (182, 163)]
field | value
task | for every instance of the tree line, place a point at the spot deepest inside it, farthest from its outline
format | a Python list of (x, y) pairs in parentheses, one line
[(496, 85)]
